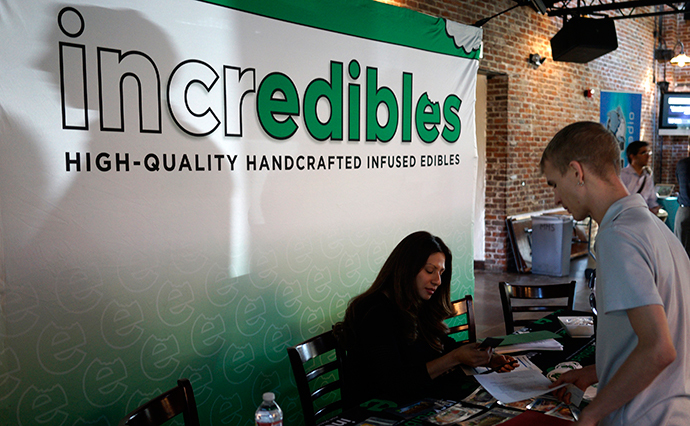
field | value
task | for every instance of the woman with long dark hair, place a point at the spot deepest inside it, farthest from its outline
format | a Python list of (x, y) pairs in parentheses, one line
[(397, 342)]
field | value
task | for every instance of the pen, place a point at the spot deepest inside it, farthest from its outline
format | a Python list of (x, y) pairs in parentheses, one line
[(496, 369)]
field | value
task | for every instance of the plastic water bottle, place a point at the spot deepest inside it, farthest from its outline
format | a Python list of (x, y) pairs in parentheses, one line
[(269, 413)]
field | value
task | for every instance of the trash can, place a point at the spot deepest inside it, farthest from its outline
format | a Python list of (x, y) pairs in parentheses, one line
[(552, 237)]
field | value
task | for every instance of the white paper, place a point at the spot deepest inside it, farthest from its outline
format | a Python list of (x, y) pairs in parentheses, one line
[(590, 392), (539, 345), (578, 326), (576, 395), (516, 385)]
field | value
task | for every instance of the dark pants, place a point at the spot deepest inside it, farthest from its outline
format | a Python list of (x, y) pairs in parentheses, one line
[(682, 227)]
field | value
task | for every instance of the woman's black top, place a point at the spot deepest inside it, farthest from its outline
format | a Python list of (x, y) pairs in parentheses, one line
[(380, 362)]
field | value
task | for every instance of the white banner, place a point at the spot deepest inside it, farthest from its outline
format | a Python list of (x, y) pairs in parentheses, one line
[(188, 188)]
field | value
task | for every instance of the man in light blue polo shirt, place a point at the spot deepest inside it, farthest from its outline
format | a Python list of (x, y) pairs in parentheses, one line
[(637, 176), (643, 288)]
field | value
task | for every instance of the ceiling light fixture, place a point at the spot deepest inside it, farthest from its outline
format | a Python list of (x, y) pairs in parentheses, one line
[(680, 59)]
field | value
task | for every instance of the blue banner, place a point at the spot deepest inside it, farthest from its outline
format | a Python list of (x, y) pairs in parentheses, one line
[(620, 113)]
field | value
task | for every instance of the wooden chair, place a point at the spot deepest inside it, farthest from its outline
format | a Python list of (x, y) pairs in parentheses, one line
[(176, 401), (463, 307), (536, 294), (317, 364)]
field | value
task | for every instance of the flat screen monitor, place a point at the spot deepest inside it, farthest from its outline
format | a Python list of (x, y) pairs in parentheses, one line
[(674, 116)]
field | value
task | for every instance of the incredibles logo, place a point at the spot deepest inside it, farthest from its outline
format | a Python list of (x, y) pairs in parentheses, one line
[(327, 108)]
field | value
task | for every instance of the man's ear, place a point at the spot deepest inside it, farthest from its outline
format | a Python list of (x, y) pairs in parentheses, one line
[(579, 170)]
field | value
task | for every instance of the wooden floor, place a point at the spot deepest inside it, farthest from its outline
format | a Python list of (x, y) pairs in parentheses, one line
[(487, 302)]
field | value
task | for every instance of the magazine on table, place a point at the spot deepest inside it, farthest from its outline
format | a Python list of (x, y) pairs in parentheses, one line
[(377, 421), (426, 405), (492, 417), (480, 397), (453, 415)]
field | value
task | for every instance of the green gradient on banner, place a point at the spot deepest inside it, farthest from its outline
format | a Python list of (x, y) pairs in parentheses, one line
[(370, 20)]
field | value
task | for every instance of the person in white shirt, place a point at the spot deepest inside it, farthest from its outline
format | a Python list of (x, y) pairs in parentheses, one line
[(643, 288), (637, 175)]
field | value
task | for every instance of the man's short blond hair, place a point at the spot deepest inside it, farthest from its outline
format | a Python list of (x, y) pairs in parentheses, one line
[(587, 142)]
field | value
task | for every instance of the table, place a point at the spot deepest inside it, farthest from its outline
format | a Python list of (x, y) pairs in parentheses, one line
[(580, 350)]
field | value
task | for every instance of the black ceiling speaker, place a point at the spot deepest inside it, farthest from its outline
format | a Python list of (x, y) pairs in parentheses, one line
[(584, 39)]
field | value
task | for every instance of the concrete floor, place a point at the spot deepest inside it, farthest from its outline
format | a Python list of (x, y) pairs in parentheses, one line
[(487, 302)]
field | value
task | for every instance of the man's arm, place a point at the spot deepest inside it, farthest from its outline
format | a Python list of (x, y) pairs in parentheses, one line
[(653, 353), (649, 193)]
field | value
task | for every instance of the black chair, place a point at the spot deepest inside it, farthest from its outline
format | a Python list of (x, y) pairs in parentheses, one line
[(463, 308), (176, 401), (535, 295), (317, 364)]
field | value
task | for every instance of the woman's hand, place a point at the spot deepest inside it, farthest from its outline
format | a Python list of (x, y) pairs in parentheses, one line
[(503, 363), (471, 355)]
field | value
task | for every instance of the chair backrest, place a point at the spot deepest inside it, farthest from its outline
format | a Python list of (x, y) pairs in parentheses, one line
[(176, 401), (535, 304), (317, 365), (463, 307)]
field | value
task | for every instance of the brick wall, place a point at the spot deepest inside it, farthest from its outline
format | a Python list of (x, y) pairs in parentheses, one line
[(496, 172), (528, 105)]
